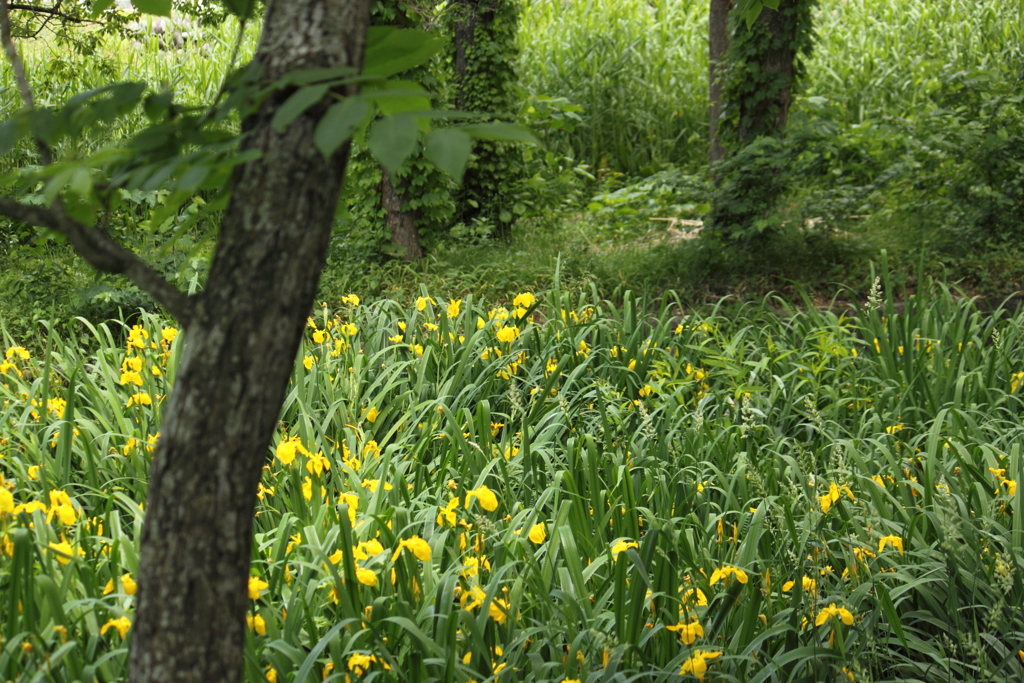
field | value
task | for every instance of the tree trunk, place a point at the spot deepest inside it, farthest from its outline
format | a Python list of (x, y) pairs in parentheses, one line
[(483, 52), (769, 114), (239, 353), (402, 224), (463, 38), (718, 44)]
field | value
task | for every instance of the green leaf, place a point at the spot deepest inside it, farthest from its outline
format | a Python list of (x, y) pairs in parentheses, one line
[(43, 124), (393, 139), (100, 6), (339, 123), (80, 182), (126, 96), (240, 8), (156, 106), (159, 7), (57, 184), (891, 615), (317, 75), (193, 178), (391, 50), (10, 132), (300, 100), (395, 97), (750, 10), (505, 132), (449, 150), (307, 665)]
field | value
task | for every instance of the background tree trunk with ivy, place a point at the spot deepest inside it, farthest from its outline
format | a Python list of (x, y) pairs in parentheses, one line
[(483, 53), (718, 46), (762, 68), (400, 214), (400, 221)]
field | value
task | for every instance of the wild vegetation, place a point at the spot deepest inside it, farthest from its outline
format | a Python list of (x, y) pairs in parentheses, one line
[(596, 448), (559, 489), (908, 144)]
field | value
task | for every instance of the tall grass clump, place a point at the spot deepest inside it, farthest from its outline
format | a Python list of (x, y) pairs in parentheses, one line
[(638, 69), (883, 57), (558, 489)]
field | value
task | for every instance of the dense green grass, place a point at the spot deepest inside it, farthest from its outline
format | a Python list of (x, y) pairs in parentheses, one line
[(579, 474), (195, 72), (639, 69), (882, 58)]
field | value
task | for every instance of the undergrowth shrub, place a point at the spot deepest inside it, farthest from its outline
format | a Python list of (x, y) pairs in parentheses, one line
[(947, 177), (753, 180)]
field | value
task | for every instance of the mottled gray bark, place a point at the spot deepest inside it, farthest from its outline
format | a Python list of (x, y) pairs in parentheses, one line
[(402, 224), (241, 343), (718, 46)]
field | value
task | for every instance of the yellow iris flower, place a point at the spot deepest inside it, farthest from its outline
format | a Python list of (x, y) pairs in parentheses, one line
[(697, 663), (725, 572), (831, 611), (689, 632), (417, 546)]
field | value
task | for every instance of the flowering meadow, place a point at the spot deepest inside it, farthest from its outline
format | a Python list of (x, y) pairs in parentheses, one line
[(556, 489)]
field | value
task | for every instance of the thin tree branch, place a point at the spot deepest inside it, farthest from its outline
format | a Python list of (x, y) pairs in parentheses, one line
[(54, 11), (43, 25), (104, 253), (13, 57), (19, 73)]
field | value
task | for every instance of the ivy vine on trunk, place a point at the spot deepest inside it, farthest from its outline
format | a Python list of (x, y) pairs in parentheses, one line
[(483, 51), (718, 47), (763, 65)]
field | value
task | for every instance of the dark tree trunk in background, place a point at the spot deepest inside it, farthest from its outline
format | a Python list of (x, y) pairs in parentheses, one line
[(769, 114), (718, 44), (463, 38), (240, 348), (483, 50), (402, 224), (757, 91)]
